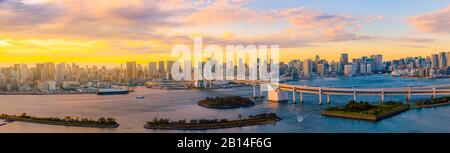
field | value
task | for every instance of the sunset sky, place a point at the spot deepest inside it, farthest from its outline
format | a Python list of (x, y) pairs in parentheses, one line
[(116, 31)]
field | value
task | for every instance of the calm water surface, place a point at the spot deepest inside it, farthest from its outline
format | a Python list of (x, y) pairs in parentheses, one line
[(181, 104)]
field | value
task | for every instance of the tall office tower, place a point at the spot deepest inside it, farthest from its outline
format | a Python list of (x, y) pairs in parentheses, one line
[(23, 73), (348, 70), (161, 67), (51, 70), (152, 67), (306, 67), (344, 59), (442, 60), (321, 69), (131, 70), (448, 59), (38, 72), (47, 72), (68, 75), (428, 61), (169, 69), (317, 59), (60, 73), (378, 62), (363, 68), (434, 60)]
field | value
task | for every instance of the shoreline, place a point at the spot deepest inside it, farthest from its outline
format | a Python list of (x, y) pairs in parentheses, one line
[(432, 105), (226, 107), (40, 94), (365, 111), (358, 116), (9, 119), (166, 124), (215, 126)]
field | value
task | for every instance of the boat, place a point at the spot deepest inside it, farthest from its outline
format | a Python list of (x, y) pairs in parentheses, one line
[(112, 92), (140, 97)]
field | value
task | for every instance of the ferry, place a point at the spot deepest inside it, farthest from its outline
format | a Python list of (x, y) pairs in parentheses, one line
[(112, 92)]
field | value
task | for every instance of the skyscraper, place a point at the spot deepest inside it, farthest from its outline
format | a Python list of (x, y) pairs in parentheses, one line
[(448, 58), (161, 67), (60, 73), (321, 69), (378, 62), (306, 67), (131, 70), (434, 60), (152, 67), (344, 59), (442, 60), (23, 73)]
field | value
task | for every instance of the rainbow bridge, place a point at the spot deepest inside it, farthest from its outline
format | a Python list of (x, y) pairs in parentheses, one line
[(277, 91)]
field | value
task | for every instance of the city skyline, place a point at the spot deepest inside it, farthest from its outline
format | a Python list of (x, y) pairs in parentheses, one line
[(338, 58), (103, 32)]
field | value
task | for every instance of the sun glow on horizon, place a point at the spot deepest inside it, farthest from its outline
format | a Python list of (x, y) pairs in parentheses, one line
[(116, 31)]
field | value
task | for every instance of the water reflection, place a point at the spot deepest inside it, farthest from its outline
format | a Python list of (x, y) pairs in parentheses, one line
[(132, 113)]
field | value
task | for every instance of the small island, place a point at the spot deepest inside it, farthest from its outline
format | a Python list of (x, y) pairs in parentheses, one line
[(226, 102), (366, 111), (66, 121), (432, 102), (204, 124)]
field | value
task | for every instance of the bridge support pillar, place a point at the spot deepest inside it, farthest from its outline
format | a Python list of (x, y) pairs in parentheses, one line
[(434, 94), (328, 99), (408, 97), (354, 95), (301, 97), (274, 94), (382, 96), (260, 91), (293, 96), (254, 90), (320, 96)]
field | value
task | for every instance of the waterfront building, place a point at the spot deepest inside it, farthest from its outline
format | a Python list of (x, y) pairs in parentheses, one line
[(131, 70), (434, 60), (348, 70), (442, 60), (152, 67), (344, 59), (60, 70)]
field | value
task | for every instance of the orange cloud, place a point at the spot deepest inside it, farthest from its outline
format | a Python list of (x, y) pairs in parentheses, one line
[(437, 22)]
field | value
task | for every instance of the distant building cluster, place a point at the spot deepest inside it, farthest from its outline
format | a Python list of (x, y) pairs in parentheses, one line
[(436, 65), (50, 77)]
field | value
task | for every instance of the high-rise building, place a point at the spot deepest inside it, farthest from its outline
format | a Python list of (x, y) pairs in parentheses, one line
[(169, 69), (131, 70), (378, 62), (23, 73), (434, 60), (161, 67), (47, 71), (344, 59), (60, 73), (442, 60), (307, 67), (321, 69), (152, 67), (448, 59), (348, 70)]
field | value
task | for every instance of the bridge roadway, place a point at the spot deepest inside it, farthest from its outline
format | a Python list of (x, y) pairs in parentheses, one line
[(382, 92)]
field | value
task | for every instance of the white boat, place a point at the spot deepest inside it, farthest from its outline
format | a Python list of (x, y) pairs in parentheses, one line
[(140, 97)]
